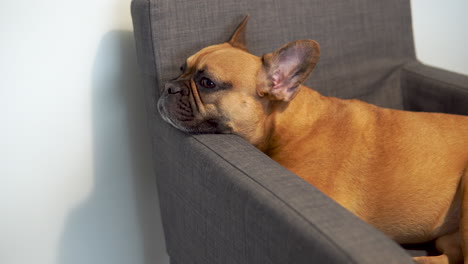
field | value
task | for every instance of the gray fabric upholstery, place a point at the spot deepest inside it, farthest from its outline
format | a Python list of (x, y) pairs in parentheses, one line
[(223, 201), (229, 203), (363, 43), (434, 90)]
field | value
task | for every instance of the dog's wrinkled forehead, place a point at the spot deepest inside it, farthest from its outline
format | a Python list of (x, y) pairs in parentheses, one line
[(223, 61)]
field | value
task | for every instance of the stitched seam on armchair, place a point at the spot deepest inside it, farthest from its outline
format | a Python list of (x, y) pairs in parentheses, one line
[(276, 196), (156, 54), (395, 70)]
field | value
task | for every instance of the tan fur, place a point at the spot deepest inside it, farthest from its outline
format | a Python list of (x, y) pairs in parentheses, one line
[(406, 173)]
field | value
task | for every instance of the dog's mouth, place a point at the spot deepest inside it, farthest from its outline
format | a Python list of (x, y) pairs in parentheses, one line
[(178, 107)]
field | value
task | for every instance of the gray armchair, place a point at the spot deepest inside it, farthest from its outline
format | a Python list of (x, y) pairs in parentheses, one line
[(222, 200)]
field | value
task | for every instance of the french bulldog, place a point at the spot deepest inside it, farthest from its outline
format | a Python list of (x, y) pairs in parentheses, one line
[(406, 173)]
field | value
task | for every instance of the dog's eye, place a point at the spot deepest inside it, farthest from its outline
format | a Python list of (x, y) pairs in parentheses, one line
[(207, 83)]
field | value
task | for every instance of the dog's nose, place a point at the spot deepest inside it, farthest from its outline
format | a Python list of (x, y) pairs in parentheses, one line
[(175, 88), (172, 89)]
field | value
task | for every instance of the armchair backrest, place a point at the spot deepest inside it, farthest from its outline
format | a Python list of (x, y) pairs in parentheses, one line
[(363, 42)]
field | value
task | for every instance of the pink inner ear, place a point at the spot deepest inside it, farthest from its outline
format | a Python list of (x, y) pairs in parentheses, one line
[(278, 79), (286, 65), (275, 82)]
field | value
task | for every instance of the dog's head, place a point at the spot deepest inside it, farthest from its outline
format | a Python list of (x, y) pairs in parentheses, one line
[(225, 89)]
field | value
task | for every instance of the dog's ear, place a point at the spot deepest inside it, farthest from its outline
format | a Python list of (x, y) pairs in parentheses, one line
[(286, 69), (238, 39)]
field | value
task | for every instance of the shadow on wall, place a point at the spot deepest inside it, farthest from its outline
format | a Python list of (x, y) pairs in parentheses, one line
[(119, 221)]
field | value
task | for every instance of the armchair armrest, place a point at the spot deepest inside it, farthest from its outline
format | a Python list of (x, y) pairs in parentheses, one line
[(431, 89), (224, 201)]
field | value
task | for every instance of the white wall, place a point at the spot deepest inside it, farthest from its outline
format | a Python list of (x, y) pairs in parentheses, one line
[(440, 31), (76, 178)]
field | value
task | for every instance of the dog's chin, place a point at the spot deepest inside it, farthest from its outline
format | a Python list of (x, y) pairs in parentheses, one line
[(192, 125), (209, 126)]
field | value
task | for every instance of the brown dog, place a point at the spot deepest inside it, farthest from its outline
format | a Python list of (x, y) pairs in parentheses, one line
[(405, 173)]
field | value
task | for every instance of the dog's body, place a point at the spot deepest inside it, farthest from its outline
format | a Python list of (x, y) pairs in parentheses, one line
[(405, 173), (397, 170)]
